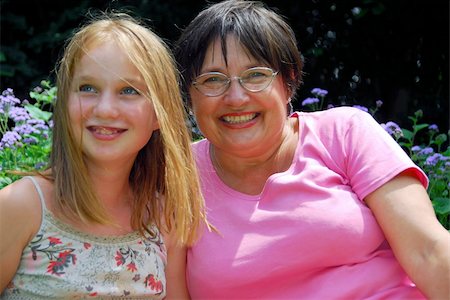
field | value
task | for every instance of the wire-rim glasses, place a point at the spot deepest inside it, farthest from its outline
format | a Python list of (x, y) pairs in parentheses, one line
[(254, 80)]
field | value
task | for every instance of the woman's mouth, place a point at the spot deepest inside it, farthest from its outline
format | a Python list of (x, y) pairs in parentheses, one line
[(237, 119)]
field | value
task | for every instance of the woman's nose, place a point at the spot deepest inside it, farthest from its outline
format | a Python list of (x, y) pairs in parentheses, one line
[(236, 94)]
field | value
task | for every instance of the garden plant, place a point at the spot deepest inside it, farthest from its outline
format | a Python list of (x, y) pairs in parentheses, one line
[(26, 128)]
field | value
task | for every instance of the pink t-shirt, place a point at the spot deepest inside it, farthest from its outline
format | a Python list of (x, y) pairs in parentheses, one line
[(309, 234)]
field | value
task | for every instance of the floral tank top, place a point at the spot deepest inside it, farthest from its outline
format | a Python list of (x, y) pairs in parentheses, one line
[(63, 263)]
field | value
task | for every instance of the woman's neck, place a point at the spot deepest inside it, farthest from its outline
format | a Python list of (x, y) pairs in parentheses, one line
[(249, 174)]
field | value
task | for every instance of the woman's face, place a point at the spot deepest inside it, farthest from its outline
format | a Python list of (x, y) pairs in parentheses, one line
[(240, 122), (109, 115)]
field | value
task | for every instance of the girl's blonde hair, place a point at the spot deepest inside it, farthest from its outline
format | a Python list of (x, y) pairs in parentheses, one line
[(164, 177)]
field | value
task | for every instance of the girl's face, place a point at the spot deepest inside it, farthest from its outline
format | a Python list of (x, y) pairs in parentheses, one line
[(240, 122), (109, 115)]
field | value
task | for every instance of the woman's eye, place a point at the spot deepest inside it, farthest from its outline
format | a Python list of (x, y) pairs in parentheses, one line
[(256, 74), (86, 88), (214, 80), (130, 91)]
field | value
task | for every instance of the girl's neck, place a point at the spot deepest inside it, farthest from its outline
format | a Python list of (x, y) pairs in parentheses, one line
[(111, 184)]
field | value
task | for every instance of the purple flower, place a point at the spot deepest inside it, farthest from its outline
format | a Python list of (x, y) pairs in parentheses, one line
[(35, 121), (330, 106), (38, 124), (39, 165), (309, 101), (432, 160), (7, 100), (426, 151), (433, 127), (31, 140), (319, 92), (416, 148), (363, 108), (379, 103), (25, 129), (393, 129), (10, 139), (19, 114)]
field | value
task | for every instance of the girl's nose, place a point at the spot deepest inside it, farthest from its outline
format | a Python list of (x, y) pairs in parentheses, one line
[(106, 106)]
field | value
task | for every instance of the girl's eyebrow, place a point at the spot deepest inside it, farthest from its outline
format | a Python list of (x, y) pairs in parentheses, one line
[(138, 80)]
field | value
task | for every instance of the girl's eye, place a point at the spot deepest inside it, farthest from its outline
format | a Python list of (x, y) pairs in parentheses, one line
[(130, 91), (86, 88)]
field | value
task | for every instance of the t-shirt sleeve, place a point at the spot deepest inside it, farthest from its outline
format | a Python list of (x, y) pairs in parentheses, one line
[(373, 156)]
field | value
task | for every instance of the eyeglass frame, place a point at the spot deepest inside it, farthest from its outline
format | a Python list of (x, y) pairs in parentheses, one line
[(238, 78)]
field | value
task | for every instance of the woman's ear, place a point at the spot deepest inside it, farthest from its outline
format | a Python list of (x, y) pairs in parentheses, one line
[(289, 107), (155, 124)]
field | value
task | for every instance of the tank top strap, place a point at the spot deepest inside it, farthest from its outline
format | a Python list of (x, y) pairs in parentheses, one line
[(41, 195)]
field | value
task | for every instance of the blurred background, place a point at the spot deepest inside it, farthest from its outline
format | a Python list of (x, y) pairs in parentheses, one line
[(359, 51)]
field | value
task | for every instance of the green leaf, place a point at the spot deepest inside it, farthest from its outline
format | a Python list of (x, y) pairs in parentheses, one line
[(441, 138), (441, 205), (37, 113), (407, 134), (4, 181), (420, 127)]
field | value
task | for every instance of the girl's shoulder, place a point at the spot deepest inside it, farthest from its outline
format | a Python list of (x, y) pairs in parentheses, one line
[(20, 197), (20, 213)]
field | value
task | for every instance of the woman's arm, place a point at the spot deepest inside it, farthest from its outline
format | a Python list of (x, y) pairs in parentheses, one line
[(20, 215), (420, 243)]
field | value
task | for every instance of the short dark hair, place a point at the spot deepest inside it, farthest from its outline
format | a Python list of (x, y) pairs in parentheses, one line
[(261, 31)]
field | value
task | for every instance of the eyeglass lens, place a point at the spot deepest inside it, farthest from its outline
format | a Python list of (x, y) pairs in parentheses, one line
[(253, 80)]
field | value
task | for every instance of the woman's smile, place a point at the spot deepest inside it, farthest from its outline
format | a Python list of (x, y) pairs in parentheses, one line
[(238, 118)]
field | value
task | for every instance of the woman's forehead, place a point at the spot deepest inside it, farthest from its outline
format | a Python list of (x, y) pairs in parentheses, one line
[(222, 51)]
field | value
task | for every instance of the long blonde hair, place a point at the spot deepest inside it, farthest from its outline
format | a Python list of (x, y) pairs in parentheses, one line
[(163, 178)]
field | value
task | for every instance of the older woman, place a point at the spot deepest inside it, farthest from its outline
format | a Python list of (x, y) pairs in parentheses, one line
[(307, 205)]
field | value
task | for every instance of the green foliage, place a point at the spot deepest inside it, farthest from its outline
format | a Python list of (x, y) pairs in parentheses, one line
[(26, 132), (434, 161)]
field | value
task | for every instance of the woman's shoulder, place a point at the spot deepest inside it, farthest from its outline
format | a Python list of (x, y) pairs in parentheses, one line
[(342, 117), (335, 113)]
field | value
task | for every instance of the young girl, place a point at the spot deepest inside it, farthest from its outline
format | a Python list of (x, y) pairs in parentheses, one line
[(112, 214)]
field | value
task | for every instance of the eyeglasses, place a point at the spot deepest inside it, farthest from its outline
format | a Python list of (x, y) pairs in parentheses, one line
[(254, 80)]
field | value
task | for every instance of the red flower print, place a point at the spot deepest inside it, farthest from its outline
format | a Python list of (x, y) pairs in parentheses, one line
[(86, 245), (64, 259), (54, 241), (152, 283), (120, 260), (131, 267)]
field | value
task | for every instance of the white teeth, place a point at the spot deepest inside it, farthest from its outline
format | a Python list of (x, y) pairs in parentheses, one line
[(102, 130), (239, 119)]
